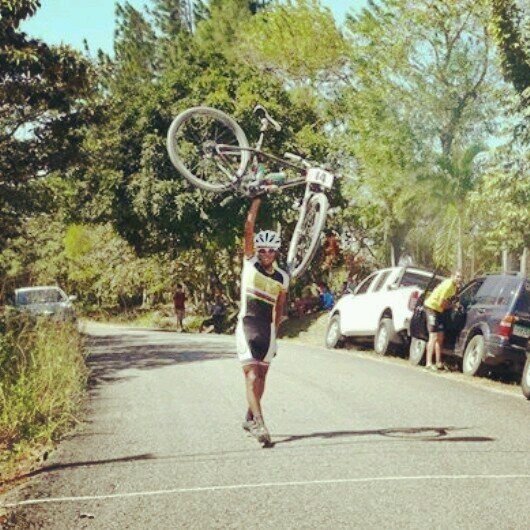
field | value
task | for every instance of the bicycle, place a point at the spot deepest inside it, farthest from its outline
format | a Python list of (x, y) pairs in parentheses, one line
[(210, 149)]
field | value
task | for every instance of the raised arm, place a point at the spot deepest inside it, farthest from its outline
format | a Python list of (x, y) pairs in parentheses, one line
[(249, 227)]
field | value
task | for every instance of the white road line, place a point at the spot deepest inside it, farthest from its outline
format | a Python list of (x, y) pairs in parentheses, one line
[(264, 485)]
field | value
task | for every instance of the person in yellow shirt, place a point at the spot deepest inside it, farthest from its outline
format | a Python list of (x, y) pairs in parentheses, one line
[(435, 304)]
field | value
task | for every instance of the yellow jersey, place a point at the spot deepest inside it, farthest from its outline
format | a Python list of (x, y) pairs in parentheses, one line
[(441, 293)]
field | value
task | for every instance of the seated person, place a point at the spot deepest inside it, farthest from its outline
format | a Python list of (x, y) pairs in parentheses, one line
[(327, 300), (216, 321)]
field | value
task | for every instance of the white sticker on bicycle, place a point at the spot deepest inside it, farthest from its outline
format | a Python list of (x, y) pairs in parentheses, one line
[(320, 177)]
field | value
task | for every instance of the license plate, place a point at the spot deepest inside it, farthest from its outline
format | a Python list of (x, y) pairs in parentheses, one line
[(320, 177), (521, 331)]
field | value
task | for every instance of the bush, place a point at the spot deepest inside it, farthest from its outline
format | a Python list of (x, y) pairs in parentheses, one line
[(42, 381)]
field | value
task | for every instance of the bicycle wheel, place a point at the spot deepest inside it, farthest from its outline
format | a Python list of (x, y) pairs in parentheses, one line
[(306, 235), (192, 141)]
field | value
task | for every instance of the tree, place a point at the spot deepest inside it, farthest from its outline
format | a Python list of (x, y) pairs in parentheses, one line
[(510, 29), (135, 48), (130, 180), (44, 109), (500, 203), (282, 39), (436, 78)]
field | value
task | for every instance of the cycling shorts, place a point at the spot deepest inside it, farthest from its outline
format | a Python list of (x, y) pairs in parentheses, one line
[(435, 322), (255, 340)]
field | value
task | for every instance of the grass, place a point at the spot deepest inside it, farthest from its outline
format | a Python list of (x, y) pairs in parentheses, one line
[(159, 317), (42, 382)]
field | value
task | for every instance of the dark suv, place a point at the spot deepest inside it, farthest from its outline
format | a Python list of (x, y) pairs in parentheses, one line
[(489, 326)]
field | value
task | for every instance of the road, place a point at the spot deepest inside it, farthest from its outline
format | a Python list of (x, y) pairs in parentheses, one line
[(359, 443)]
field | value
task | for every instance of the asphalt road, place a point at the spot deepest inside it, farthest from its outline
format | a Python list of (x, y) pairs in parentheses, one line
[(359, 443)]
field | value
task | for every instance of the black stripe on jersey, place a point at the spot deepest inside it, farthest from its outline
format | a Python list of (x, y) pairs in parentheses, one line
[(276, 275), (258, 336)]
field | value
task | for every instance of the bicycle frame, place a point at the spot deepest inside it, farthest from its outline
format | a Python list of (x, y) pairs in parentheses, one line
[(223, 150)]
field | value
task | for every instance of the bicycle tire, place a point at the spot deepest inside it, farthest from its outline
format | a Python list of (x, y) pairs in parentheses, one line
[(180, 144), (301, 252)]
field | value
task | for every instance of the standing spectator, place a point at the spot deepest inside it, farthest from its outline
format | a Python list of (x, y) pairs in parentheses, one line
[(435, 305), (179, 304)]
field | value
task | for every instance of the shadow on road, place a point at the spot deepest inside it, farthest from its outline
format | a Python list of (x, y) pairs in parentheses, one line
[(422, 434), (110, 355), (69, 465)]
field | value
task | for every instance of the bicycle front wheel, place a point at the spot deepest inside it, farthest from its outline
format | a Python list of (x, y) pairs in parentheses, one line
[(193, 141), (307, 235)]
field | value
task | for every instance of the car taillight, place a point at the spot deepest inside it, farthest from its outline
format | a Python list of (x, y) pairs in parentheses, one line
[(506, 326), (413, 299)]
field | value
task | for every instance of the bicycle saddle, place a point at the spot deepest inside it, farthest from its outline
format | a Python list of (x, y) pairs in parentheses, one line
[(263, 111)]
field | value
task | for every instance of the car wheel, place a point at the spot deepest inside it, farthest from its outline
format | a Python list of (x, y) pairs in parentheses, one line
[(473, 356), (525, 381), (334, 337), (382, 336), (417, 351)]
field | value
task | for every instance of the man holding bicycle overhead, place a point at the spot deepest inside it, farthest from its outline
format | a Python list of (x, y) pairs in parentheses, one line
[(263, 293)]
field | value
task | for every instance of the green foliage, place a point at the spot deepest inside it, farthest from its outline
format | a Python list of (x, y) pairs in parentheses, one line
[(283, 37), (422, 98), (42, 381), (501, 203), (511, 29), (44, 94), (510, 26), (128, 179)]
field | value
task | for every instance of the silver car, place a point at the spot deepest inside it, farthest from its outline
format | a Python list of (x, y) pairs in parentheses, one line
[(48, 301)]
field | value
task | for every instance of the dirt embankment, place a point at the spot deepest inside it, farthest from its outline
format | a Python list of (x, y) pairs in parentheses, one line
[(310, 329)]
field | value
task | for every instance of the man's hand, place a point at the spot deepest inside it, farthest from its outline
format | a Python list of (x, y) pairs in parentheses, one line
[(249, 227)]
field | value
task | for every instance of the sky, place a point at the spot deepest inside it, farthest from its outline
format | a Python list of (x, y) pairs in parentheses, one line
[(71, 21)]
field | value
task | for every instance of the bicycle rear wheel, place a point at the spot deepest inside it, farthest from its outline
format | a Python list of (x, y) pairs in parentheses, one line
[(307, 235), (192, 143)]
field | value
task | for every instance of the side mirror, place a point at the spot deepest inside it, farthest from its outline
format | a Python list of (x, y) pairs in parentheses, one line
[(72, 297), (392, 286)]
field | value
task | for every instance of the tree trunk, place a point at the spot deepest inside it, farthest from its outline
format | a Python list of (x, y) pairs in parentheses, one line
[(459, 245), (524, 262)]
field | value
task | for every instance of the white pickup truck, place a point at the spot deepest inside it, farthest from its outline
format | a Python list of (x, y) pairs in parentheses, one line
[(380, 307)]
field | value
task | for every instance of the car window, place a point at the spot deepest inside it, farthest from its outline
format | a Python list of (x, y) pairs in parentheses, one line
[(420, 280), (365, 285), (487, 294), (381, 279), (39, 296), (468, 295), (508, 290), (489, 291), (523, 302)]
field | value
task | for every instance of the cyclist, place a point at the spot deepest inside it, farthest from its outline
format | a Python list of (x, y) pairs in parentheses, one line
[(436, 303), (263, 293)]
